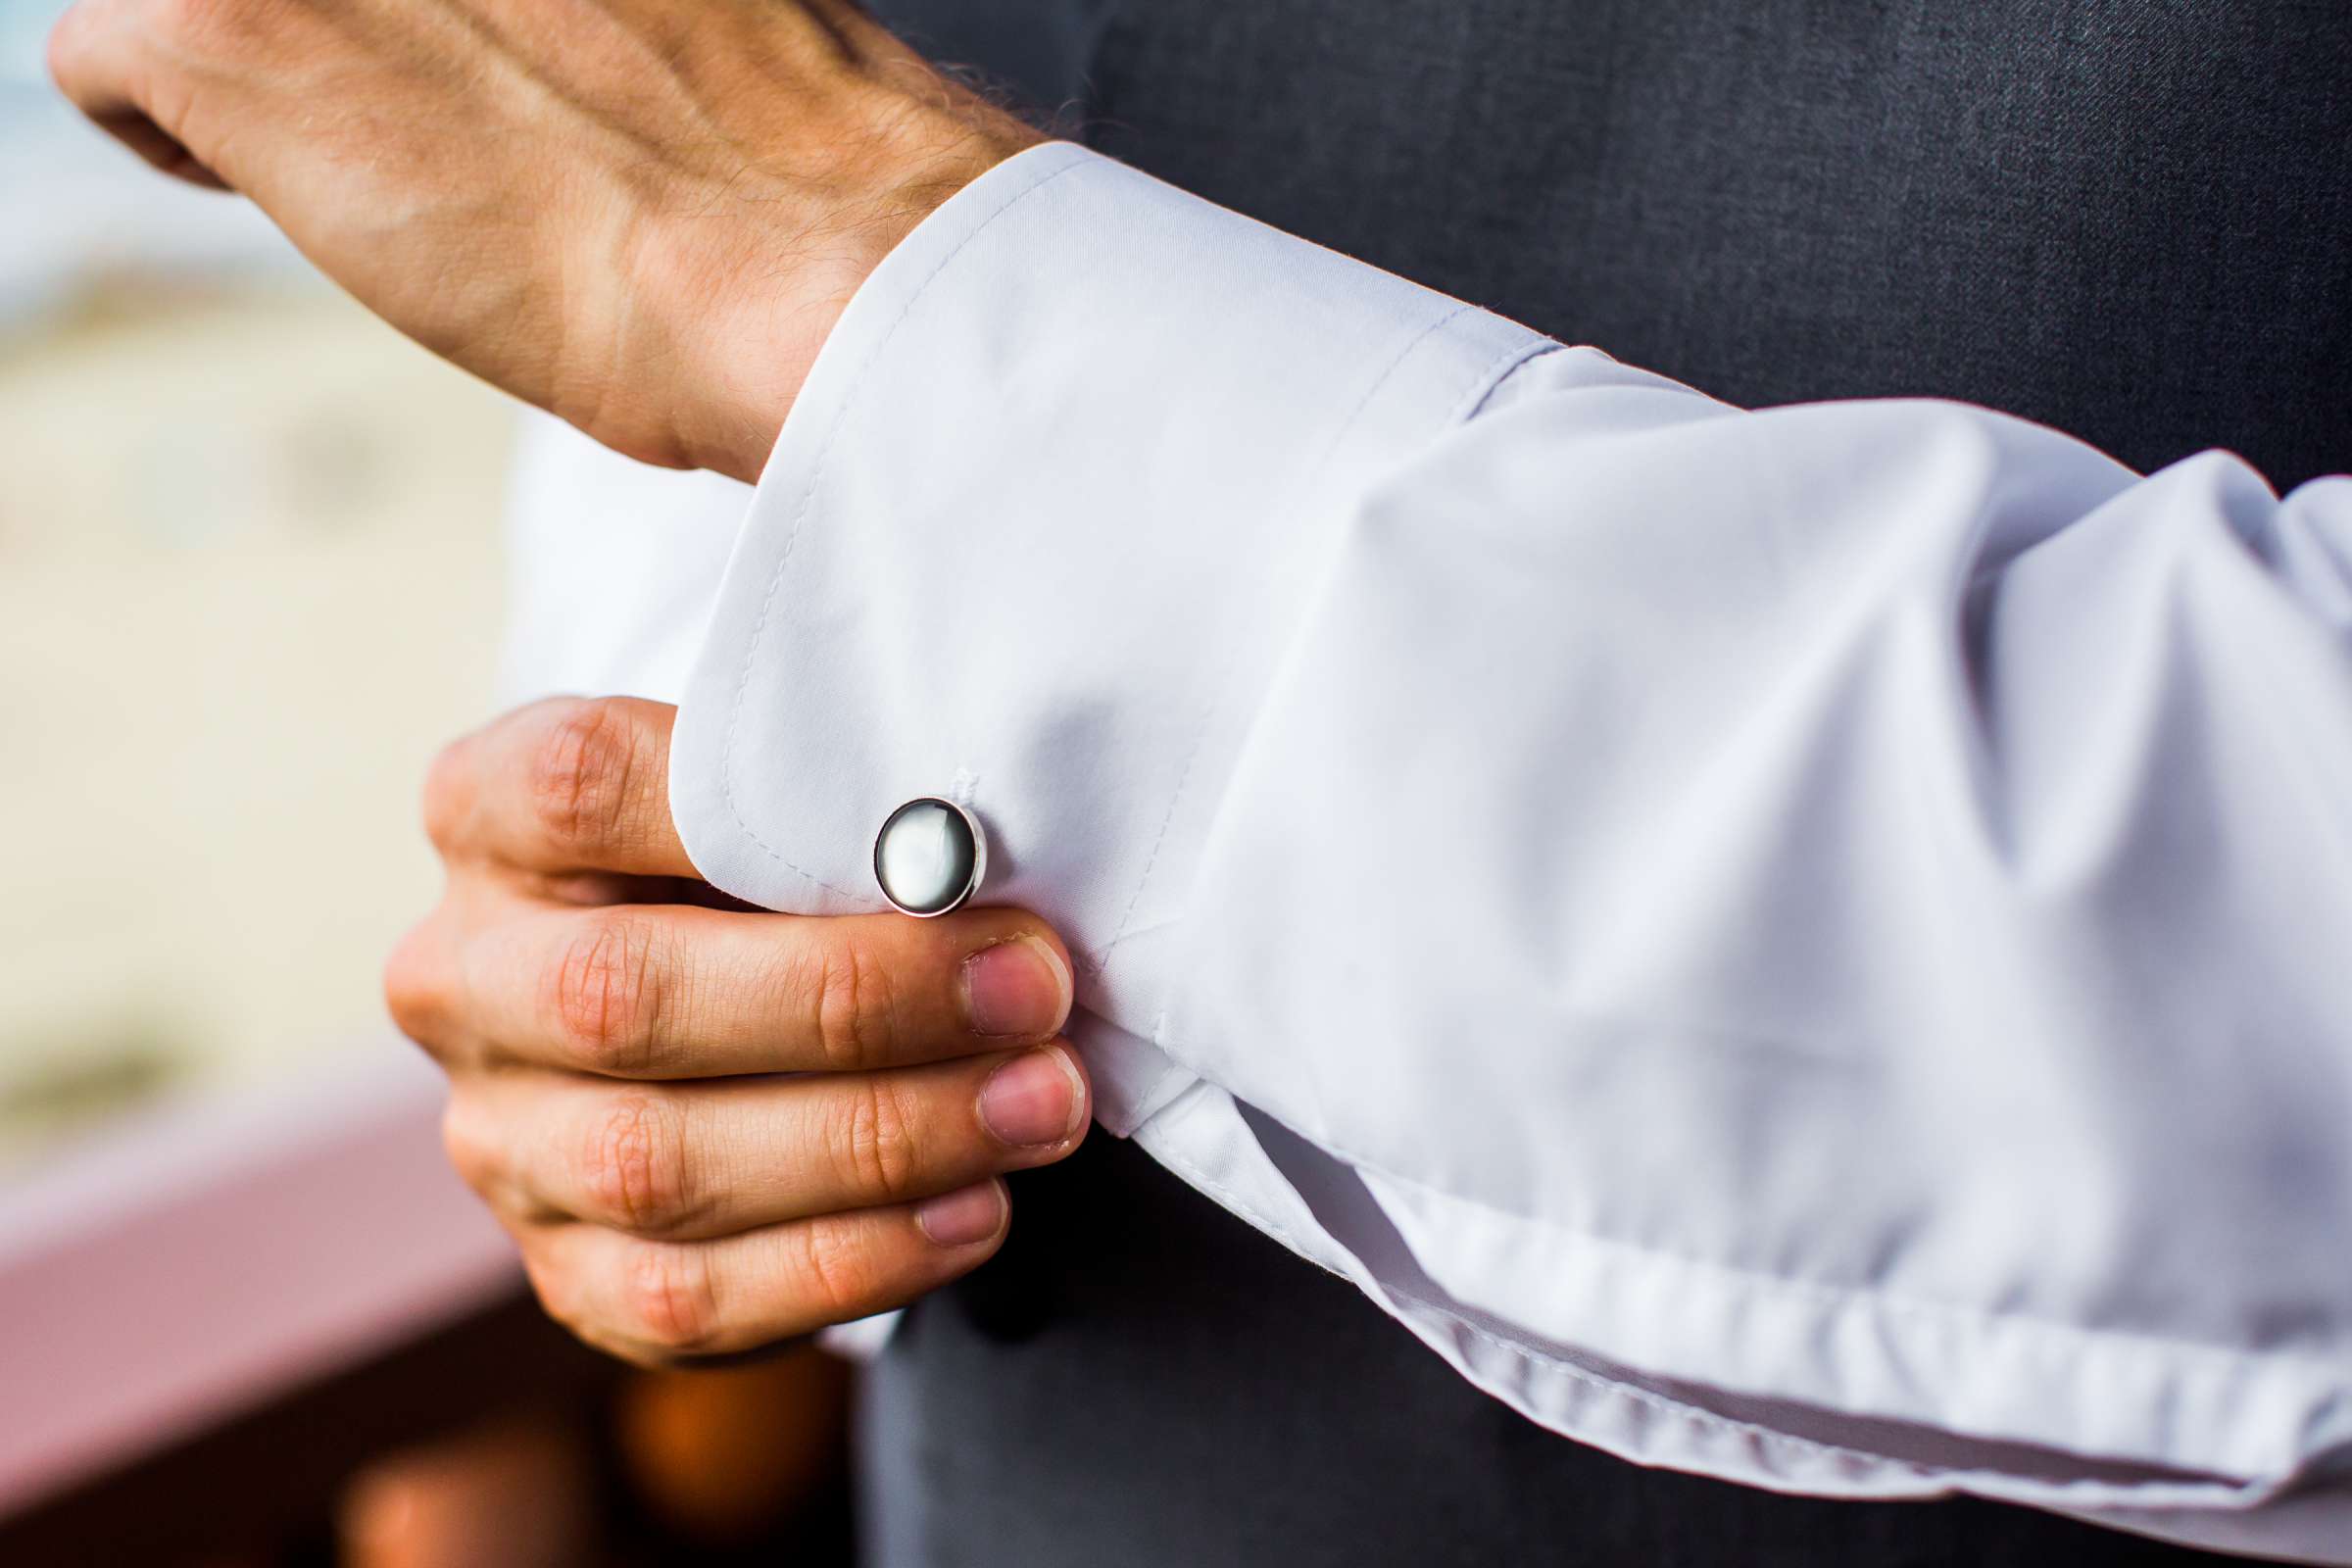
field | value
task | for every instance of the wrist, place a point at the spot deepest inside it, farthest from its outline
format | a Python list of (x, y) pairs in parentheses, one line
[(757, 298)]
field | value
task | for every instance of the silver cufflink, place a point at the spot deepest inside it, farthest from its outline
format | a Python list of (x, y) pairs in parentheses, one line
[(930, 856)]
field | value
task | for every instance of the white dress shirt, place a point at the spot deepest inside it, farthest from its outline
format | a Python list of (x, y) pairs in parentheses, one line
[(1810, 946)]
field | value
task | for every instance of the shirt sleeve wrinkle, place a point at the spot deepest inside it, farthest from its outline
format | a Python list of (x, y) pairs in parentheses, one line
[(1832, 909)]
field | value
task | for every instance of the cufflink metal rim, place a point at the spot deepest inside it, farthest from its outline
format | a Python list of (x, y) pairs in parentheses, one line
[(971, 884)]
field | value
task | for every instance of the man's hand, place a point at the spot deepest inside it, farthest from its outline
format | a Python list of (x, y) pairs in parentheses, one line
[(618, 1037), (643, 215)]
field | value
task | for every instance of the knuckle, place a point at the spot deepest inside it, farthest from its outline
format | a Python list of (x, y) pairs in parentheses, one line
[(633, 1167), (69, 40), (643, 1358), (184, 19), (448, 793), (580, 773), (226, 24), (854, 1006), (604, 992), (417, 985), (840, 1275), (466, 1141), (560, 1297), (877, 1144), (671, 1296), (238, 24)]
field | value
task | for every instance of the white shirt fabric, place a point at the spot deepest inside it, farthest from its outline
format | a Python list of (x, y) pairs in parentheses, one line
[(1805, 946)]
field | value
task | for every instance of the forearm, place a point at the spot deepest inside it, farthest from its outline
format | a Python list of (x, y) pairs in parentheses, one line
[(642, 217)]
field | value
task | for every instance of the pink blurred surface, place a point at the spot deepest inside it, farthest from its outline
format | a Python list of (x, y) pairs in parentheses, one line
[(191, 1265)]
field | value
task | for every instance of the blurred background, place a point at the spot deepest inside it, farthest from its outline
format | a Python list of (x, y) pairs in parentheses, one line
[(249, 576), (250, 581)]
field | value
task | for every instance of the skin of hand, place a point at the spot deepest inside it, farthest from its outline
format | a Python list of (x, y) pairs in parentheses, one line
[(708, 1127), (642, 215)]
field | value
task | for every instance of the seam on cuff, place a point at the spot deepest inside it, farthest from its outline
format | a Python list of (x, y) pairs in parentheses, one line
[(816, 474), (1304, 486), (1501, 368), (1481, 386)]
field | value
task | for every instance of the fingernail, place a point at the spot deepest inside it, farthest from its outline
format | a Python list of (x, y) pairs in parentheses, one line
[(1033, 1099), (961, 1218), (1019, 987)]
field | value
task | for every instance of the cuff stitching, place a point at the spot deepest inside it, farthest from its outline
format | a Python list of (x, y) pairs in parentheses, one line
[(1501, 368), (1309, 478)]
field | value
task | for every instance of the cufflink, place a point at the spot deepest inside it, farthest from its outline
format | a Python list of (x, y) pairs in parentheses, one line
[(930, 856)]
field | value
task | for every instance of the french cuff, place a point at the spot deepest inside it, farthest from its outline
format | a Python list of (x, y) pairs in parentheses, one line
[(1033, 537)]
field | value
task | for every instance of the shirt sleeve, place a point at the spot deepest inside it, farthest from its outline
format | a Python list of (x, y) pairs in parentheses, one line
[(1801, 945)]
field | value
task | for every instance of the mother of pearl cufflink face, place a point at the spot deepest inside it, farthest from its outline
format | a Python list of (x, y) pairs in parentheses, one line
[(930, 856)]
